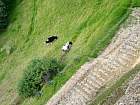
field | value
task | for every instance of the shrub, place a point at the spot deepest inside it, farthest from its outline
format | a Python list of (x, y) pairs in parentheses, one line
[(33, 78), (8, 47)]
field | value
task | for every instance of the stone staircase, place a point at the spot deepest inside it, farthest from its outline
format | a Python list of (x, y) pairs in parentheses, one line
[(116, 60), (131, 95)]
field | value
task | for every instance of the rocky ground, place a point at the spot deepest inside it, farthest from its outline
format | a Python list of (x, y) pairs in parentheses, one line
[(132, 93)]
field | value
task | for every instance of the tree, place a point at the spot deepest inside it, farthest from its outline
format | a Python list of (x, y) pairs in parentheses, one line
[(3, 15)]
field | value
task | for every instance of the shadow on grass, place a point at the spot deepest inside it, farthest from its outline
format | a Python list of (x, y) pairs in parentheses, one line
[(11, 5)]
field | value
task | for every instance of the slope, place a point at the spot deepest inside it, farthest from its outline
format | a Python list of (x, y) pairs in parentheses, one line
[(118, 58), (89, 24)]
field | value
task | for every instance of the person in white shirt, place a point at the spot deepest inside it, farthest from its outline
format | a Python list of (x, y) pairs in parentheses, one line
[(67, 47)]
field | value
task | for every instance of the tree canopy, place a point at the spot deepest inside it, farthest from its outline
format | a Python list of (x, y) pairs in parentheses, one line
[(3, 15)]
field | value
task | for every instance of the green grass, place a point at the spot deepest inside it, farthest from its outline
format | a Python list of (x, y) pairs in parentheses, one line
[(136, 3), (90, 24), (106, 94)]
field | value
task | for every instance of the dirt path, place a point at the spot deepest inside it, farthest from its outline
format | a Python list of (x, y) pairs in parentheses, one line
[(118, 58)]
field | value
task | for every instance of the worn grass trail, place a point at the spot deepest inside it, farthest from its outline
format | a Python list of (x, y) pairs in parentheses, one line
[(90, 24)]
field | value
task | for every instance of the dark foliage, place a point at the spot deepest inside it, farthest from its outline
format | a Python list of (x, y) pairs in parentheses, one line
[(3, 16), (33, 77)]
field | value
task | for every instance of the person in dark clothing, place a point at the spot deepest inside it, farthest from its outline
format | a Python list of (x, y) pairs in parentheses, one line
[(51, 39)]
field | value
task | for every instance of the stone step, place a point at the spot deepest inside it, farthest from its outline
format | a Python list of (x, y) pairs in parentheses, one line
[(122, 65), (126, 50), (85, 83), (76, 98), (97, 76), (125, 58), (132, 44), (84, 89), (104, 72), (107, 65), (110, 67), (87, 86), (95, 82), (91, 83), (102, 76), (121, 62), (100, 70), (114, 63), (131, 47), (129, 53), (134, 39), (82, 93)]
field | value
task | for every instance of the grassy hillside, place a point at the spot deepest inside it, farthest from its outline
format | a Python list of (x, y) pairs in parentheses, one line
[(136, 3), (90, 24)]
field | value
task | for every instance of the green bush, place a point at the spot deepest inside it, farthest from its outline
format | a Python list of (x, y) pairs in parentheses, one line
[(33, 78)]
